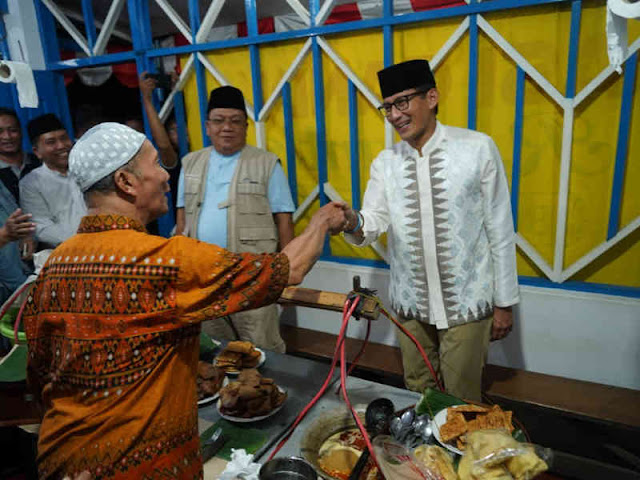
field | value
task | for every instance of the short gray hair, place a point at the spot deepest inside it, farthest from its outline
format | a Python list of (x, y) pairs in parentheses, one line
[(108, 183)]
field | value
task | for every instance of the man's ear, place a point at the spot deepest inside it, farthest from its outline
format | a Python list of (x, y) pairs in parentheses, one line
[(124, 181), (34, 148), (433, 97)]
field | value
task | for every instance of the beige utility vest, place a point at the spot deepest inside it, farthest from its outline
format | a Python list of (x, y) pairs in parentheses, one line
[(250, 224)]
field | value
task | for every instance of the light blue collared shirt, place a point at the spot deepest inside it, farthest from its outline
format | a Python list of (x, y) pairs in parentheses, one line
[(212, 227)]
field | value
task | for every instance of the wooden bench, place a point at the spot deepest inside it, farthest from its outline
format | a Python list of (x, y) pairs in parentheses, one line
[(602, 402)]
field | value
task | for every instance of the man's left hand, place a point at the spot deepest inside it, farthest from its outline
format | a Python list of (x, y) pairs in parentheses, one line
[(502, 322)]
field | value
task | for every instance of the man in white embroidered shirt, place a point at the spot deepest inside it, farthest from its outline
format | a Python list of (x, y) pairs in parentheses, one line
[(442, 196), (48, 193)]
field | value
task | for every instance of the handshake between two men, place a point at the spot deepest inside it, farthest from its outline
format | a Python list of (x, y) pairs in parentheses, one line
[(304, 250)]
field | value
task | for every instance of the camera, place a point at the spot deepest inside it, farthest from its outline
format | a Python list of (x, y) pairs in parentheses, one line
[(162, 80)]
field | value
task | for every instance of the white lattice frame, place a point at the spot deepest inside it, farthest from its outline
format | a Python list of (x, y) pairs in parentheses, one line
[(556, 273)]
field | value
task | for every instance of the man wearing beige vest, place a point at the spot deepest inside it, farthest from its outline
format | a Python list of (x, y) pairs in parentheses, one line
[(236, 196)]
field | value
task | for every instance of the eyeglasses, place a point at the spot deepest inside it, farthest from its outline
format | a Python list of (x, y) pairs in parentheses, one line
[(401, 103), (235, 122)]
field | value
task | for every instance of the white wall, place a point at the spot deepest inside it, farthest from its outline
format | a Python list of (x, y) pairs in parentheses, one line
[(570, 334)]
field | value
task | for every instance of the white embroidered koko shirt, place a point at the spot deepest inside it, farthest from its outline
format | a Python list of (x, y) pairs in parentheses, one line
[(451, 241)]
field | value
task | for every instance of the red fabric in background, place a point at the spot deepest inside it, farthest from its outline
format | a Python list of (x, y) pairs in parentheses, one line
[(265, 25), (348, 12), (420, 5), (126, 73)]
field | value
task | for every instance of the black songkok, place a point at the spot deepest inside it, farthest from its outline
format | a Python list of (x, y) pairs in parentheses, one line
[(405, 75), (43, 124), (226, 97)]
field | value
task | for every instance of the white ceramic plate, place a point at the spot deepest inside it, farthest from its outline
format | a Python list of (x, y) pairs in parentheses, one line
[(439, 420), (251, 419), (235, 373), (210, 399)]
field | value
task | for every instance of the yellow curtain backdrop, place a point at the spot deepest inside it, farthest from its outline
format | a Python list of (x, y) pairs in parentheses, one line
[(541, 35)]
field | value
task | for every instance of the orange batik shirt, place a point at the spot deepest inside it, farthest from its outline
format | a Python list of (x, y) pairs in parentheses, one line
[(113, 326)]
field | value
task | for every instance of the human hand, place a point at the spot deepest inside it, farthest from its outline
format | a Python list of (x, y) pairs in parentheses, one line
[(147, 85), (333, 215), (352, 220), (18, 225), (502, 322)]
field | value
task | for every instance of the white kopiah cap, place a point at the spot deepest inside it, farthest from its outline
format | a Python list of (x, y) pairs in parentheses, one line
[(101, 151)]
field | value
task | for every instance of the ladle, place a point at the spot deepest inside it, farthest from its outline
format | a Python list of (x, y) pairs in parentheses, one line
[(376, 417)]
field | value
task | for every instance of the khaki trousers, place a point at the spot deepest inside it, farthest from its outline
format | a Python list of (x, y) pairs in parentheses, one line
[(457, 354), (260, 326)]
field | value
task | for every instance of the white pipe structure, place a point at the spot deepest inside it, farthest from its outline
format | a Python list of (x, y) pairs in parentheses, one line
[(221, 79), (324, 12), (108, 27), (209, 19), (599, 250), (68, 26), (182, 79), (341, 64), (261, 135), (563, 193), (534, 256), (451, 42), (536, 76), (116, 33), (602, 76), (306, 204), (285, 78), (175, 18), (300, 10)]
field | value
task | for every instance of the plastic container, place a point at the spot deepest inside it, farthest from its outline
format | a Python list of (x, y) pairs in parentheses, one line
[(6, 326)]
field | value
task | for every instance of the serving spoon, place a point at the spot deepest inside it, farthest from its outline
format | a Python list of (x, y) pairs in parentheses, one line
[(376, 417)]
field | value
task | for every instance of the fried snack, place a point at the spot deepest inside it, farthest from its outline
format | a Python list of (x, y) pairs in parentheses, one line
[(240, 347), (238, 355), (250, 396), (456, 425), (465, 468), (526, 466), (498, 418), (471, 418), (437, 460), (209, 380), (495, 454)]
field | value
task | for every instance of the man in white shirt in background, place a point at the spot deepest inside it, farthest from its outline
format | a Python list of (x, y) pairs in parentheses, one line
[(441, 194), (48, 193)]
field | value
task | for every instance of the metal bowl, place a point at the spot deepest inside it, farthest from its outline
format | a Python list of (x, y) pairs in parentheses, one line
[(323, 427), (287, 468)]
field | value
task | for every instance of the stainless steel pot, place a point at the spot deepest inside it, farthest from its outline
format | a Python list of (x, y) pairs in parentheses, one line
[(287, 468)]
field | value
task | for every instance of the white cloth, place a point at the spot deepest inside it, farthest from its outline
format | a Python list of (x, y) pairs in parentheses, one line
[(618, 11), (447, 213), (56, 203), (240, 466), (101, 151)]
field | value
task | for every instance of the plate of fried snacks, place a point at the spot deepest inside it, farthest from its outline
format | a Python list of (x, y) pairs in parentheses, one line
[(251, 398), (452, 424), (495, 454), (237, 356), (209, 382)]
